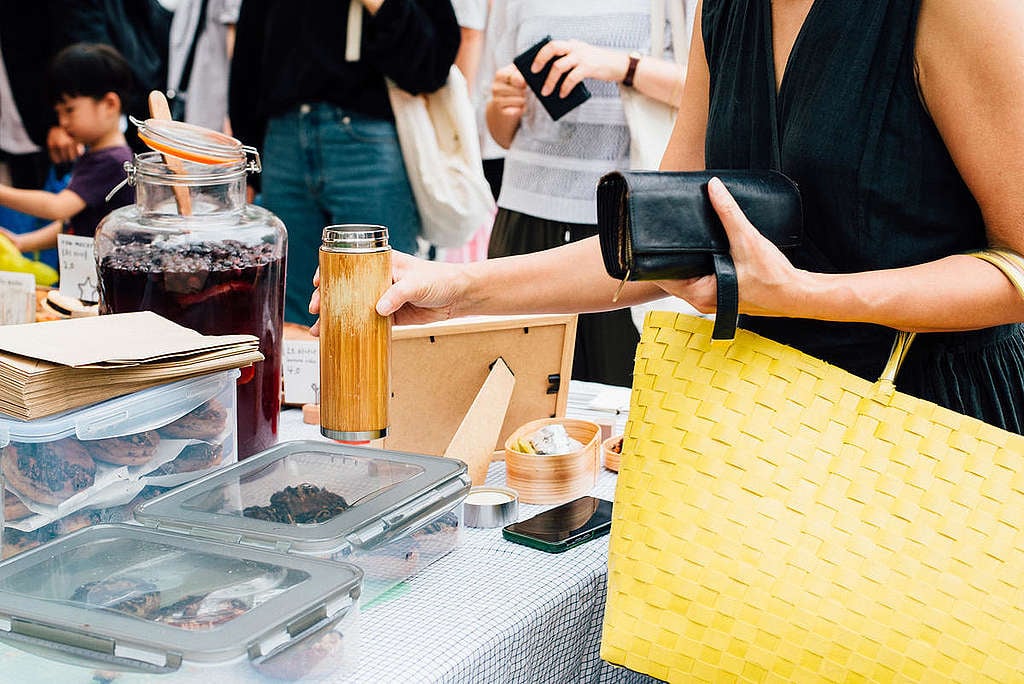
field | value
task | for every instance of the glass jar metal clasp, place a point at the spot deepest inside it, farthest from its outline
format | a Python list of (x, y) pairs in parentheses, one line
[(252, 159), (129, 179)]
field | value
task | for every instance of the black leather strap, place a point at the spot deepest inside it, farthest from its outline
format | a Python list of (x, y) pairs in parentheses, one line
[(727, 312)]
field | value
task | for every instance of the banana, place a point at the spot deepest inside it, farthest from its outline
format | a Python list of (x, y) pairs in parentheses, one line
[(12, 260), (45, 274), (7, 247)]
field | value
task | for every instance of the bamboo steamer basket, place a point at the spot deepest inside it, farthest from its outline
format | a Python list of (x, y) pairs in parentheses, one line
[(554, 478), (612, 457)]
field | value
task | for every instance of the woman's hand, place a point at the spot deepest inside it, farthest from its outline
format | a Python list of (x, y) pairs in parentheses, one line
[(422, 291), (769, 284), (508, 91), (506, 106), (579, 60)]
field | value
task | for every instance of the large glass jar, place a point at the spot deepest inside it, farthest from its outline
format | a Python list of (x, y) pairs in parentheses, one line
[(192, 250)]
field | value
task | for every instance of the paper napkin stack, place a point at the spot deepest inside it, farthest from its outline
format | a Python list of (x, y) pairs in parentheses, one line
[(55, 366)]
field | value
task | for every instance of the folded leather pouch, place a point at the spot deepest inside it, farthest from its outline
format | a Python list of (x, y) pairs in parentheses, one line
[(660, 225)]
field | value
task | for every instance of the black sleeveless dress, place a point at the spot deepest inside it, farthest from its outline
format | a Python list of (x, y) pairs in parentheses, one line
[(878, 185)]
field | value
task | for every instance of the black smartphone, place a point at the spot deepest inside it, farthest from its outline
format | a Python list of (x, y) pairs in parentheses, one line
[(555, 105), (563, 527)]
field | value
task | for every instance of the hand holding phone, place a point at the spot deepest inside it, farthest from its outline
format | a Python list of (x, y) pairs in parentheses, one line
[(563, 527), (555, 105)]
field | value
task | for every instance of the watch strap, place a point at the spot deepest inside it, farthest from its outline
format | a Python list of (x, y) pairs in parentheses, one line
[(634, 59)]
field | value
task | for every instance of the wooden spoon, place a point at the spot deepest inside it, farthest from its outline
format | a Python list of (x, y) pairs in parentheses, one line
[(159, 109)]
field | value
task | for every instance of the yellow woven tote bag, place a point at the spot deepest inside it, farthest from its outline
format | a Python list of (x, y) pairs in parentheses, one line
[(779, 519)]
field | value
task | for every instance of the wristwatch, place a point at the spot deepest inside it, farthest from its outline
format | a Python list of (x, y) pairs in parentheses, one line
[(634, 59)]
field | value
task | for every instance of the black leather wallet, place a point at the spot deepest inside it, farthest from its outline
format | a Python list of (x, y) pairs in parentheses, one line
[(555, 105), (660, 225)]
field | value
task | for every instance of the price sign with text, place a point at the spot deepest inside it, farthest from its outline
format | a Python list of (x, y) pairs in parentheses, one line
[(78, 267), (17, 298), (301, 372)]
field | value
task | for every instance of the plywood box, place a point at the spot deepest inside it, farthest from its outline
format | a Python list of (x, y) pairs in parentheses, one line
[(437, 370)]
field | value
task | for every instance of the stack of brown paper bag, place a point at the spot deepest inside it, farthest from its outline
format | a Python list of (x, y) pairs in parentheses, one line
[(55, 366)]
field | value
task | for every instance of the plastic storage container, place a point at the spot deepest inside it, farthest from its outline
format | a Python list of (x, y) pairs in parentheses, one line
[(94, 464), (391, 513), (128, 598), (214, 264)]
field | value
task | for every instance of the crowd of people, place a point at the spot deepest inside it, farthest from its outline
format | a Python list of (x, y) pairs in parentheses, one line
[(281, 76), (900, 130)]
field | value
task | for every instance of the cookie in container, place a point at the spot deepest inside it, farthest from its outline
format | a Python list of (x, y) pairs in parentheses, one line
[(389, 512), (65, 471), (126, 598)]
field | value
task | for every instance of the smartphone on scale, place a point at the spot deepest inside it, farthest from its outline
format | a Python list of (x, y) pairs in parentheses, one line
[(563, 527)]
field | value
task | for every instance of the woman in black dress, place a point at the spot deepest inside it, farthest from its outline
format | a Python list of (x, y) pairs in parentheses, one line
[(902, 121)]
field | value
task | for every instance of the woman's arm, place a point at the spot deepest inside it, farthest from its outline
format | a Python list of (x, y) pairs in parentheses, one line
[(971, 74), (685, 151), (468, 56), (660, 79), (567, 279)]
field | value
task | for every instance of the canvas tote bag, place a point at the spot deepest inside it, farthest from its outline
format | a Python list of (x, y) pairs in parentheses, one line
[(779, 519), (441, 150), (650, 121)]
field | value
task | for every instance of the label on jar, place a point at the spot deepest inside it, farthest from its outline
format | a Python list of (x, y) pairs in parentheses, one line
[(301, 372), (77, 267), (17, 298)]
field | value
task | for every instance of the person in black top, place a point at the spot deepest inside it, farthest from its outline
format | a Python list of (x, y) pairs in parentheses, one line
[(901, 122), (324, 125), (139, 30), (27, 45)]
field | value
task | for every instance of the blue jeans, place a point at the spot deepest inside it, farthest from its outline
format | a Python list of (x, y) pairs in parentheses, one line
[(324, 165)]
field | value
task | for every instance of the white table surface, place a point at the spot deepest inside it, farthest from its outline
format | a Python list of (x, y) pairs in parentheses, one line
[(489, 611)]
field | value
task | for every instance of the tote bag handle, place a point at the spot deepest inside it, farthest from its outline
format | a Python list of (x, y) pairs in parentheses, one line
[(1012, 266), (677, 24)]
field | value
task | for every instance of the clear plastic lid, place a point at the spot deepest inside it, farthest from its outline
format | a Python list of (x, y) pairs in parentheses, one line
[(143, 599), (313, 497), (125, 415), (190, 142)]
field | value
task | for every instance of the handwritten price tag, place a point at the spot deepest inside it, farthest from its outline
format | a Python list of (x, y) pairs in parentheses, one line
[(17, 298), (77, 267), (301, 372)]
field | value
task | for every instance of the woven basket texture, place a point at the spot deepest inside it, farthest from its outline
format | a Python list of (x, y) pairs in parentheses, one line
[(778, 519)]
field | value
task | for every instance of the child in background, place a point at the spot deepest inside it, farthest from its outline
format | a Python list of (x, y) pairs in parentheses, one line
[(87, 82)]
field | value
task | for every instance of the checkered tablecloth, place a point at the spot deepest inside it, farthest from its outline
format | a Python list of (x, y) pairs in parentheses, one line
[(489, 611)]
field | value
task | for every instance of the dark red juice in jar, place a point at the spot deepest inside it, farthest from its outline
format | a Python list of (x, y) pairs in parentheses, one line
[(217, 288), (194, 251)]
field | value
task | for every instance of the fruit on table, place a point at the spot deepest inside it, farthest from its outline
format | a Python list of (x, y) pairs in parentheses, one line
[(13, 260)]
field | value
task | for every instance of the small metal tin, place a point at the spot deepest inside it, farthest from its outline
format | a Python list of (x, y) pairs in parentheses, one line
[(490, 507)]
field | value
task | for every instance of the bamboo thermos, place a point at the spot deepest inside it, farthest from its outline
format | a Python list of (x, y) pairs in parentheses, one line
[(355, 341)]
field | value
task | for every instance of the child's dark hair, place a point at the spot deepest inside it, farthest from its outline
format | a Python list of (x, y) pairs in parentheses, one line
[(89, 70)]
